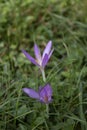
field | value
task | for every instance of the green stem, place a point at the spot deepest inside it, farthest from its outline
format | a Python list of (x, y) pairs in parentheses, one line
[(43, 75), (81, 111), (47, 110)]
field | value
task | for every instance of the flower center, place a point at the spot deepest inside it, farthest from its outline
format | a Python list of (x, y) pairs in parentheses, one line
[(46, 98), (38, 61)]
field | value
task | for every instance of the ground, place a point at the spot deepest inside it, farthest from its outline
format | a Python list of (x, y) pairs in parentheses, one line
[(23, 23)]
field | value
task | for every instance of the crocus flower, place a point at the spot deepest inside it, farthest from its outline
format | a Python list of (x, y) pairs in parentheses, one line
[(39, 60), (43, 95)]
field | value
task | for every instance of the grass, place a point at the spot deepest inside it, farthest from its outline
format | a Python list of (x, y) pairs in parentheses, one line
[(21, 24)]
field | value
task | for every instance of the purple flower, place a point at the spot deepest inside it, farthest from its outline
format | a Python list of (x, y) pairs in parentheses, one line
[(44, 94), (39, 60)]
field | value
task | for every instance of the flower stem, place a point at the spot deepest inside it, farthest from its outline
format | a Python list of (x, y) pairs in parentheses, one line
[(81, 111), (43, 75), (47, 110)]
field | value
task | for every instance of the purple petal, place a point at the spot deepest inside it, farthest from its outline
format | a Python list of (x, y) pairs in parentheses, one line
[(30, 57), (46, 94), (50, 53), (45, 60), (37, 52), (47, 49), (31, 93)]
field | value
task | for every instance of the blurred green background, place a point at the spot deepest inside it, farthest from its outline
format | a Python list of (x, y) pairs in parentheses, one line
[(23, 23)]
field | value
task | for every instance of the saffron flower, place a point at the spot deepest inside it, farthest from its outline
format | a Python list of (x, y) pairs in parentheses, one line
[(39, 60), (43, 95)]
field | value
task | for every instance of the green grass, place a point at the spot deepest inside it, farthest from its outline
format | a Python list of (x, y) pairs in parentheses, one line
[(22, 23)]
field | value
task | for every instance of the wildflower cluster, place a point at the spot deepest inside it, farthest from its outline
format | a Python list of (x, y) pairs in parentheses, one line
[(44, 93)]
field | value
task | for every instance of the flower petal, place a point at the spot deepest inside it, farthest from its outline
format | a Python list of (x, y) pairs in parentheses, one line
[(46, 94), (47, 49), (30, 57), (47, 89), (50, 53), (45, 60), (31, 93), (37, 52)]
